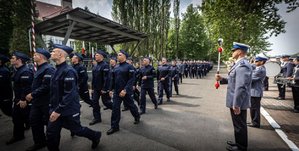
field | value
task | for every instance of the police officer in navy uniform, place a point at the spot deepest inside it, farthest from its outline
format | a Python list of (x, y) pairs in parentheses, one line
[(22, 80), (146, 81), (163, 75), (258, 76), (286, 71), (121, 88), (40, 98), (295, 85), (238, 95), (6, 93), (174, 77), (100, 86), (64, 102), (82, 77)]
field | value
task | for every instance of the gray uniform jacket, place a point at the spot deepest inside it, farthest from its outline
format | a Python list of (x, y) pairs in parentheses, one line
[(239, 85), (258, 76)]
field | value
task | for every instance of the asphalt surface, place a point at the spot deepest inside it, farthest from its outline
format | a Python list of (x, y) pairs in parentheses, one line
[(195, 120)]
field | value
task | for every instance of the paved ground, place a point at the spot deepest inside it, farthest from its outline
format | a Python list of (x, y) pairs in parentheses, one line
[(195, 120), (281, 111)]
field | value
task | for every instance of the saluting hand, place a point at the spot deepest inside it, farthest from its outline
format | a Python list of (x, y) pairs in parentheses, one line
[(144, 78), (122, 93), (162, 79), (218, 77), (236, 110), (54, 116)]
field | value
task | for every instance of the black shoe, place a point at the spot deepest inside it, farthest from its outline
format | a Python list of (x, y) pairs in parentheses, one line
[(36, 147), (168, 100), (156, 106), (137, 121), (280, 98), (96, 142), (296, 111), (253, 125), (72, 134), (106, 108), (140, 113), (95, 121), (233, 148), (231, 143), (112, 130), (125, 109), (160, 103), (13, 140)]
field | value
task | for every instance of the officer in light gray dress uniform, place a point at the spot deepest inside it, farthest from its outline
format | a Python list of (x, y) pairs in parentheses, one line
[(258, 76), (238, 95)]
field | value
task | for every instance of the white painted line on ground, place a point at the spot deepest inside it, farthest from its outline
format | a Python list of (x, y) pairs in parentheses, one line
[(276, 126)]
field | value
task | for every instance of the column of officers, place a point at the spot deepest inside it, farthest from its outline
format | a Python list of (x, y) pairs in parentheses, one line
[(47, 95)]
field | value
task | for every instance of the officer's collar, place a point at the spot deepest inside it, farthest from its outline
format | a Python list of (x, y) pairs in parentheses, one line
[(123, 62), (239, 60), (60, 65), (100, 62), (42, 64), (20, 66)]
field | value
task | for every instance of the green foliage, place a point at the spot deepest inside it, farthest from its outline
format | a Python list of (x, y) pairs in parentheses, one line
[(194, 43), (6, 25), (251, 22), (21, 22)]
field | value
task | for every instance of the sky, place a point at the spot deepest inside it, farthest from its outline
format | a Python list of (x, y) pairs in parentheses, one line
[(285, 43)]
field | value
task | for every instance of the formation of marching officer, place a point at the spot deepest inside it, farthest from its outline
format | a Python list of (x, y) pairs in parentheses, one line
[(48, 95)]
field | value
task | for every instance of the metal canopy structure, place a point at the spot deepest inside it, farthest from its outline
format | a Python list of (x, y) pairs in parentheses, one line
[(83, 25)]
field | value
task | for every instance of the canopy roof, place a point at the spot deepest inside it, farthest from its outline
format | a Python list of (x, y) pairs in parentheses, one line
[(83, 25)]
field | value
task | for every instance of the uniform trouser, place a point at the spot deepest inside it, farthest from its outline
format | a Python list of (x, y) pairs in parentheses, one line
[(19, 119), (151, 94), (255, 111), (282, 90), (117, 100), (193, 72), (71, 122), (84, 94), (170, 87), (266, 83), (190, 74), (199, 73), (136, 96), (39, 116), (186, 73), (295, 91), (6, 106), (240, 129), (175, 84), (181, 77), (95, 103), (163, 85)]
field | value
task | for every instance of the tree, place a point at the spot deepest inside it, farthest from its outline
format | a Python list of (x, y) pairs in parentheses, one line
[(176, 13), (194, 43), (6, 24), (251, 22), (21, 23)]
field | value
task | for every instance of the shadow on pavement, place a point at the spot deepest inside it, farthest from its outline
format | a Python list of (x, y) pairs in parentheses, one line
[(275, 107)]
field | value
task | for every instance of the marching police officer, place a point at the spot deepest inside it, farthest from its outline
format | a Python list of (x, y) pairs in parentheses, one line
[(6, 93), (286, 71), (146, 81), (163, 75), (40, 98), (238, 95), (22, 80), (64, 102), (100, 86), (174, 77), (122, 85), (258, 76), (295, 86), (82, 78)]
